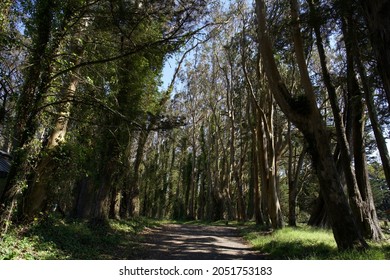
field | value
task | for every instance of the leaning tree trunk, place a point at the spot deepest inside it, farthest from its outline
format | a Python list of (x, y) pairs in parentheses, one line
[(38, 192), (270, 211), (305, 114), (368, 218), (370, 221), (37, 195), (36, 83), (365, 220)]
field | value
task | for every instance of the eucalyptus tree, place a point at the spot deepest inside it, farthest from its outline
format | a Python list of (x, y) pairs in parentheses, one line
[(263, 127), (353, 158), (302, 110)]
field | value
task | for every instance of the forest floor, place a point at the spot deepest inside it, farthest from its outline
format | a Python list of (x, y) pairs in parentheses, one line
[(196, 242)]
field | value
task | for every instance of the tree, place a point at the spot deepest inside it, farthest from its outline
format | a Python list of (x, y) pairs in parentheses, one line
[(379, 25), (357, 183), (304, 113), (37, 195), (45, 43)]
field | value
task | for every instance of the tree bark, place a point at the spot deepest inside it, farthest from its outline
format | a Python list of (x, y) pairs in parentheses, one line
[(319, 216)]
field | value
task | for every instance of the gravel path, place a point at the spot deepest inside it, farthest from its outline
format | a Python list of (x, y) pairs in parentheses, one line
[(193, 242)]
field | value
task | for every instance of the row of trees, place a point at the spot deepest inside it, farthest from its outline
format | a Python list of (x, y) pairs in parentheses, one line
[(79, 87), (278, 107)]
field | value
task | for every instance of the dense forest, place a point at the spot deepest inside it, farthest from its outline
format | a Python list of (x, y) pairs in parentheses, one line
[(277, 112)]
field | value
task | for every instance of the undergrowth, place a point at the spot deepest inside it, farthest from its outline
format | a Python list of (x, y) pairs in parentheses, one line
[(57, 239)]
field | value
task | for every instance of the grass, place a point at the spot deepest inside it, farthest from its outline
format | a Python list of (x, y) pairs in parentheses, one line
[(307, 243), (57, 239)]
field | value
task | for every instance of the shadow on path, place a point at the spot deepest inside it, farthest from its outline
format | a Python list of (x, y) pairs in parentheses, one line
[(194, 242)]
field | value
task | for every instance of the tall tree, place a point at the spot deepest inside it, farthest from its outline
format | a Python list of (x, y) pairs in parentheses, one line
[(36, 197), (378, 23), (356, 188), (47, 26), (304, 113)]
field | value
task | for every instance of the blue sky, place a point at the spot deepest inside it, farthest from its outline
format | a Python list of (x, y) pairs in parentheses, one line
[(168, 71)]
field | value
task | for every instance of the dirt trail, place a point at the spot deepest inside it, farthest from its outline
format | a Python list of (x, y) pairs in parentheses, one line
[(194, 242)]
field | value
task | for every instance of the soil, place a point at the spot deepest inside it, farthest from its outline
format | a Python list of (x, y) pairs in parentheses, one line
[(195, 242)]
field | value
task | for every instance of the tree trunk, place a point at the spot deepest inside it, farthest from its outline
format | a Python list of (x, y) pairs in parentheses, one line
[(371, 225), (194, 174), (102, 203), (37, 195), (319, 216), (36, 83), (308, 119), (134, 197), (378, 22), (293, 177), (84, 199), (367, 218), (363, 217), (374, 120)]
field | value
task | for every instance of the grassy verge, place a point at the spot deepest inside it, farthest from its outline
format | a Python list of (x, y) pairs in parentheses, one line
[(57, 239), (306, 243)]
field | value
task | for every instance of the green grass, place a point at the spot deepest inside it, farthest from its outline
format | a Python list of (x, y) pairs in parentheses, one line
[(306, 243), (56, 239)]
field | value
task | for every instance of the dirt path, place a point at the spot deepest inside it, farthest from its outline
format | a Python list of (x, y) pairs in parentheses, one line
[(193, 242)]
